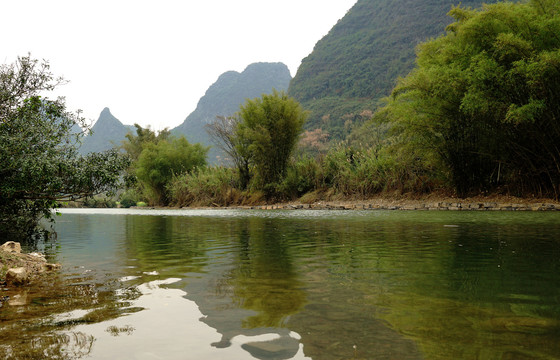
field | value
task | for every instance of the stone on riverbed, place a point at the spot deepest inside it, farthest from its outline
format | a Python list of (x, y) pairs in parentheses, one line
[(277, 349)]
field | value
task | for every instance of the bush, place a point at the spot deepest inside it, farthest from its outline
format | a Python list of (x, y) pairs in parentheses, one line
[(100, 202), (205, 186), (302, 176), (159, 163), (129, 198), (126, 203)]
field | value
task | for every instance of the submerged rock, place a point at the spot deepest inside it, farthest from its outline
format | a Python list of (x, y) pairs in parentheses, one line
[(277, 349), (19, 299)]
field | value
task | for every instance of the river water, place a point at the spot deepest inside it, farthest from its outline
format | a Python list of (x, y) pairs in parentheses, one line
[(243, 284)]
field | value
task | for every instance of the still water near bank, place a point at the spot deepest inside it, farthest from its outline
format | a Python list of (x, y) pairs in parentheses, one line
[(240, 284)]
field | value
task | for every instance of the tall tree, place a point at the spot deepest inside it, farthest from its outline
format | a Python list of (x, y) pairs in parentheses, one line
[(485, 98), (271, 126), (39, 161)]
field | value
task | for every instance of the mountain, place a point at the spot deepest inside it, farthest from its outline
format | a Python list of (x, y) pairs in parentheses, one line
[(358, 62), (107, 133), (224, 97)]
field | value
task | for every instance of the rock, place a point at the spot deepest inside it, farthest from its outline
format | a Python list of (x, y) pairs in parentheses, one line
[(38, 256), (11, 247), (52, 267), (18, 300), (17, 276)]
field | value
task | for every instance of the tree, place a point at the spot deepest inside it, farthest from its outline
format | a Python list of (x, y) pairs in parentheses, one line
[(160, 162), (222, 131), (485, 98), (270, 126), (134, 144), (39, 162)]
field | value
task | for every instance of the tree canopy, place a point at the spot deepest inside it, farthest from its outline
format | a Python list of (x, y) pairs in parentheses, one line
[(159, 162), (485, 98), (270, 127), (39, 139)]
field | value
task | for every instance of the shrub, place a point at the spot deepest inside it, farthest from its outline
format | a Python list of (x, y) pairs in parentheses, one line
[(205, 186)]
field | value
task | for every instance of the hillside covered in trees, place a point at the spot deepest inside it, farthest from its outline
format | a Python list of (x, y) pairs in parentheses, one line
[(358, 62)]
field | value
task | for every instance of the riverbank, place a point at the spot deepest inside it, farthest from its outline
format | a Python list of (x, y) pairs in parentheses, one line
[(429, 202), (432, 201), (385, 202)]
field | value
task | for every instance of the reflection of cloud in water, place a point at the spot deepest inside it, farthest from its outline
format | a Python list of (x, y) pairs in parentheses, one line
[(170, 328)]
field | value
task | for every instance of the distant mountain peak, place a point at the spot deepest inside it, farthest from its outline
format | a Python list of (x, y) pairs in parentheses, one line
[(106, 133)]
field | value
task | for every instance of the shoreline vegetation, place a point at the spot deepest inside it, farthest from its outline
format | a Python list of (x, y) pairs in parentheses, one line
[(477, 115)]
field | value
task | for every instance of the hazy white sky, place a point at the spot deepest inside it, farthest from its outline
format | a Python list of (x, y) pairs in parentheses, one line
[(150, 61)]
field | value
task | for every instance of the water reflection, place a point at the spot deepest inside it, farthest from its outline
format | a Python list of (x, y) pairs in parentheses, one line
[(282, 285)]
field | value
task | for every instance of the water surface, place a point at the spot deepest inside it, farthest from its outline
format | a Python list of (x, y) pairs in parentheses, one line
[(240, 284)]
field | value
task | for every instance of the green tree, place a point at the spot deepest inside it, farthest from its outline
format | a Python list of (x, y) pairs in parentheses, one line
[(159, 162), (134, 144), (269, 127), (39, 162), (485, 98)]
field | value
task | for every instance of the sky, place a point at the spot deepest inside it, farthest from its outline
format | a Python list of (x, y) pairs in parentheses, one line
[(150, 61)]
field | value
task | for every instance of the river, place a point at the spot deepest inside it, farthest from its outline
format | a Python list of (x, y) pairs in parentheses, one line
[(302, 284)]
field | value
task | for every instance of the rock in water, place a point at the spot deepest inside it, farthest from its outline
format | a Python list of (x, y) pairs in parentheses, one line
[(17, 276)]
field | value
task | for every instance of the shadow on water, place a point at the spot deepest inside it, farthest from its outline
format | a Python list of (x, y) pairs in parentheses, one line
[(302, 284)]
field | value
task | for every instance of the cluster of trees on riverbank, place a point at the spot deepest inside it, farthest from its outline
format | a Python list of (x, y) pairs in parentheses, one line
[(479, 113)]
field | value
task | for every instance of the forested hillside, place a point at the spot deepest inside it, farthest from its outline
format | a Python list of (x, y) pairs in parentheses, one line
[(358, 62), (224, 97)]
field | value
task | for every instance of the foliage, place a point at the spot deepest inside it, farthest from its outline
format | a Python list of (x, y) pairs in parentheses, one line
[(271, 126), (99, 202), (302, 176), (39, 160), (205, 186), (222, 131), (159, 162), (134, 144), (131, 197), (484, 99), (358, 62)]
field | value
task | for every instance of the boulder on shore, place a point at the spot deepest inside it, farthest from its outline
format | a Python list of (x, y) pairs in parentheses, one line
[(20, 269), (11, 247)]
